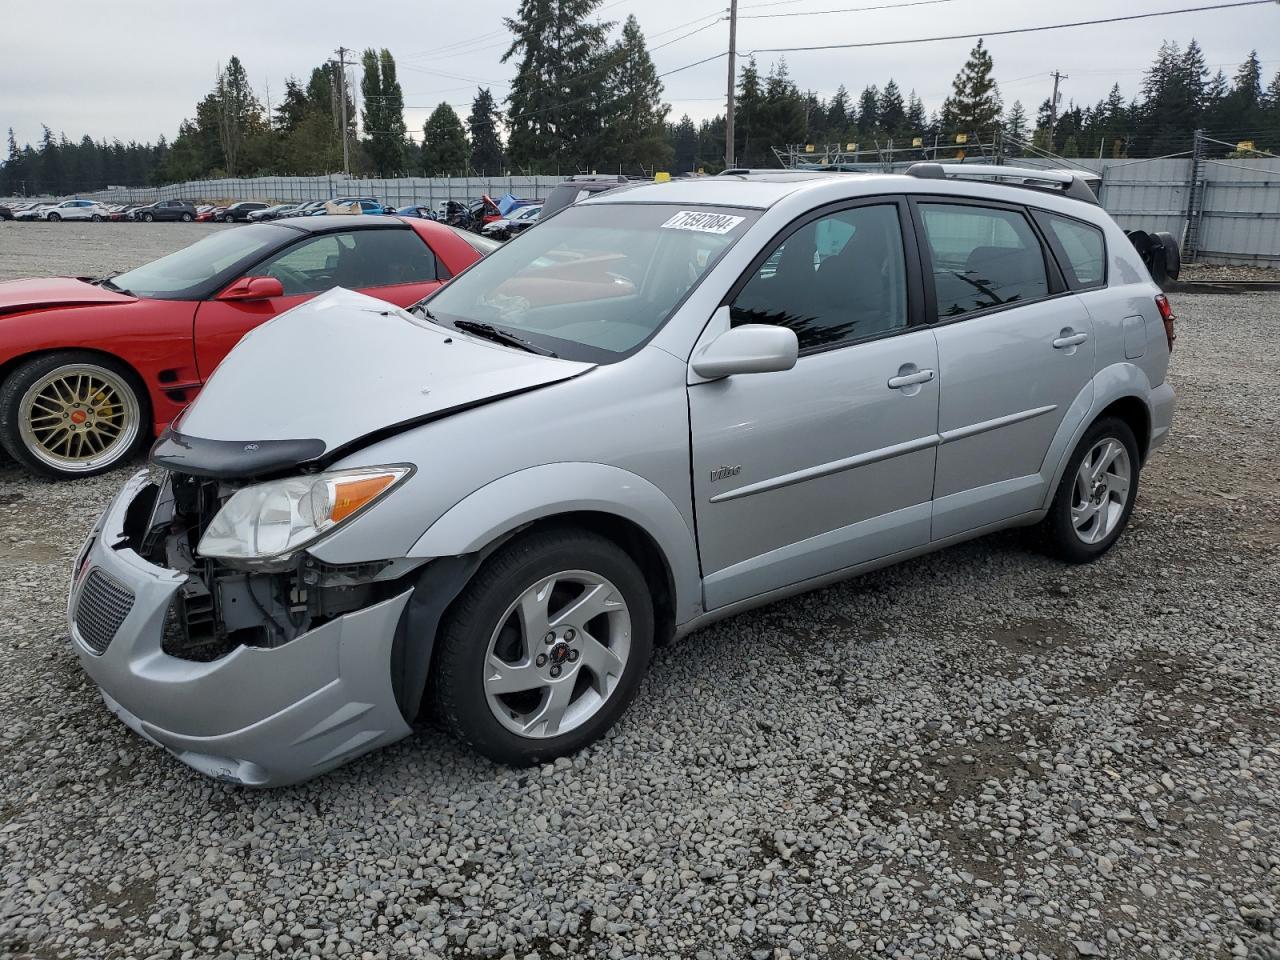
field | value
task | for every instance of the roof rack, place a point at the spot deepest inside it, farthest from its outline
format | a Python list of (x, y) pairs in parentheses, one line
[(1070, 184)]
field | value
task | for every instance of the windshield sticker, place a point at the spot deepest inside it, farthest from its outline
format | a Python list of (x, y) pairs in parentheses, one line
[(720, 223)]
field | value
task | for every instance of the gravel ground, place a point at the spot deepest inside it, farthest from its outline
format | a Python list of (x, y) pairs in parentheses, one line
[(982, 753), (90, 249), (1214, 271)]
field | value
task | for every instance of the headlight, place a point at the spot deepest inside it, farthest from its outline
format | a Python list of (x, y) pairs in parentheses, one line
[(270, 521)]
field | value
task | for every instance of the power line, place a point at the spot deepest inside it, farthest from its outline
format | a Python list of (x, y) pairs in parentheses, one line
[(686, 36), (1005, 33), (820, 13)]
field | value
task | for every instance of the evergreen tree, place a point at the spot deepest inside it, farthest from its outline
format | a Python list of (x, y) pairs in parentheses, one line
[(383, 111), (917, 120), (838, 112), (635, 131), (289, 114), (482, 125), (749, 121), (868, 112), (892, 112), (783, 111), (1015, 121), (685, 141), (556, 96), (238, 114), (974, 104), (445, 150)]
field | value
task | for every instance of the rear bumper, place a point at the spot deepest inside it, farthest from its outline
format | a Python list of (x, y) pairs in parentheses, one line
[(1162, 407), (260, 717)]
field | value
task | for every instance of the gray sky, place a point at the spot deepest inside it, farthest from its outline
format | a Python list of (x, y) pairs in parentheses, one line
[(135, 69)]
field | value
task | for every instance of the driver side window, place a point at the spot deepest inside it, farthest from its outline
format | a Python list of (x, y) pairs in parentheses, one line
[(834, 280), (356, 260)]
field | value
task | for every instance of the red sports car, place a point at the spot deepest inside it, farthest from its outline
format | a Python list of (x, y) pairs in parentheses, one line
[(91, 370)]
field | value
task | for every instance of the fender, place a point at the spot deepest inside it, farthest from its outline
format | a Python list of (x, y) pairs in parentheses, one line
[(505, 504), (1108, 385)]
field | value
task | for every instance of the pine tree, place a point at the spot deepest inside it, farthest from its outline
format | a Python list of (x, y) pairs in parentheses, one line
[(1015, 121), (868, 111), (892, 111), (974, 104), (556, 96), (838, 112), (445, 150), (383, 111), (685, 141), (749, 122), (238, 113), (917, 121), (635, 115), (482, 125), (292, 106)]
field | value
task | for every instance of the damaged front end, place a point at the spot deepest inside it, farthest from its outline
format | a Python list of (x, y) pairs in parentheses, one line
[(225, 603)]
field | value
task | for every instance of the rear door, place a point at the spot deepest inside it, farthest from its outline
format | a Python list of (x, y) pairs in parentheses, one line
[(392, 264), (1015, 352), (830, 464)]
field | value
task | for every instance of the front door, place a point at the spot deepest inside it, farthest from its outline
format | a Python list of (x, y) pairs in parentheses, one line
[(830, 464), (1015, 351), (392, 264)]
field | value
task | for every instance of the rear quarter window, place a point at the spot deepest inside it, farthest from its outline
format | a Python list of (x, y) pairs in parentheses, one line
[(1080, 248)]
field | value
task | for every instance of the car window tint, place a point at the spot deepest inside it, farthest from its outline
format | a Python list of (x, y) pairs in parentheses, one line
[(355, 260), (834, 280), (1083, 246), (982, 257)]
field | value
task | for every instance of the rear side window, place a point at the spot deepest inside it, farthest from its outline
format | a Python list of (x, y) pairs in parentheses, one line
[(983, 257), (1081, 248)]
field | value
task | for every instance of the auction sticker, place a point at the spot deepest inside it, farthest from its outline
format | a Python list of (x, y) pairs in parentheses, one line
[(703, 222)]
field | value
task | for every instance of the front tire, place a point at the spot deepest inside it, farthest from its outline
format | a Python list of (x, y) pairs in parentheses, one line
[(54, 217), (96, 218), (186, 218), (545, 647), (148, 217), (1095, 497), (73, 414)]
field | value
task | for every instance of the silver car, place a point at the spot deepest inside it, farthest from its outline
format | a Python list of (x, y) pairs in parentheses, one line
[(667, 404)]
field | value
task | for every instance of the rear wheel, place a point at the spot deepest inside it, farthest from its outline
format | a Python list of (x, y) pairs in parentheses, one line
[(1096, 494), (186, 218), (96, 218), (72, 414), (545, 648)]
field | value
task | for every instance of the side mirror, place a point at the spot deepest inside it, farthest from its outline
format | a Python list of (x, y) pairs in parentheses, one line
[(253, 288), (750, 348)]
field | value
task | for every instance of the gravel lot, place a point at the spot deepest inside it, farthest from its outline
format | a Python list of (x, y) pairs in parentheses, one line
[(982, 753)]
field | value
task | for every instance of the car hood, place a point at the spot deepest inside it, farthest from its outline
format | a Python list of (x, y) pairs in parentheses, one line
[(344, 368), (19, 296)]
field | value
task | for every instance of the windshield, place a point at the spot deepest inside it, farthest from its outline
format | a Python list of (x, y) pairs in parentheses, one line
[(596, 281), (185, 274)]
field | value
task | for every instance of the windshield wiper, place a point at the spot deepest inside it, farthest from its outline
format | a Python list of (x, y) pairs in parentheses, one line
[(107, 282), (490, 332), (421, 309)]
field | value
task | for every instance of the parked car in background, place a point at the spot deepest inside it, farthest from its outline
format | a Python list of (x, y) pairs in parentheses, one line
[(366, 205), (581, 187), (420, 210), (6, 212), (91, 370), (239, 212), (661, 407), (76, 210), (182, 210), (517, 221), (213, 213), (272, 212), (35, 211)]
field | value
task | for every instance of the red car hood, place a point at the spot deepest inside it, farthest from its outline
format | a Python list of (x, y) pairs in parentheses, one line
[(17, 296)]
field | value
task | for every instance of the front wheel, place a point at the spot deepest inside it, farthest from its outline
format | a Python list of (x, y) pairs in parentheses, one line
[(1096, 494), (72, 414), (54, 217), (148, 217), (545, 647), (96, 218), (186, 218)]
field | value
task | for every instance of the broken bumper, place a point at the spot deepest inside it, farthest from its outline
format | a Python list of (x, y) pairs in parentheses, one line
[(260, 717)]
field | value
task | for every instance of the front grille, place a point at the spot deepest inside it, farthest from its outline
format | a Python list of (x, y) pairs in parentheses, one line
[(101, 608)]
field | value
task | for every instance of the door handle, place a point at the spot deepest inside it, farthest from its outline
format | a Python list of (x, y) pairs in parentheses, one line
[(1070, 340), (910, 379)]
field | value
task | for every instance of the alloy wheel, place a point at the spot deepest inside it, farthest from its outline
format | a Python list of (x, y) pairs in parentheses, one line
[(558, 653), (78, 418), (1101, 490)]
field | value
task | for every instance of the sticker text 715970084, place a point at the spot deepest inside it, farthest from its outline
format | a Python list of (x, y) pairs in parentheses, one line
[(703, 222)]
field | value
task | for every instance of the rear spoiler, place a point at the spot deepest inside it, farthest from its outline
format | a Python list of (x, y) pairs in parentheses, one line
[(1159, 251)]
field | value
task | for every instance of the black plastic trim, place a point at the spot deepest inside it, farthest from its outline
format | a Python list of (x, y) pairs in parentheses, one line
[(231, 459)]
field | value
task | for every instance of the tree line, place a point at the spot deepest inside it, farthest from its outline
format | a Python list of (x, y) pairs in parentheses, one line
[(581, 101)]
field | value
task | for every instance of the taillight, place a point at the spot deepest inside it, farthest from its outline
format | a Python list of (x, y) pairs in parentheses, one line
[(1166, 314)]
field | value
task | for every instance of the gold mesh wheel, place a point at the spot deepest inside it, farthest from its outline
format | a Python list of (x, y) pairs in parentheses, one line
[(79, 417)]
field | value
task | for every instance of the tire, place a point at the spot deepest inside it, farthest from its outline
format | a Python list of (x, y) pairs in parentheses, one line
[(54, 217), (1072, 530), (96, 218), (483, 628), (148, 217), (30, 433), (186, 218)]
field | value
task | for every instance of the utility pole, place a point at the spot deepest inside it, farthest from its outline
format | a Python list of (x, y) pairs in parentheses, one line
[(342, 100), (733, 56), (1053, 106)]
